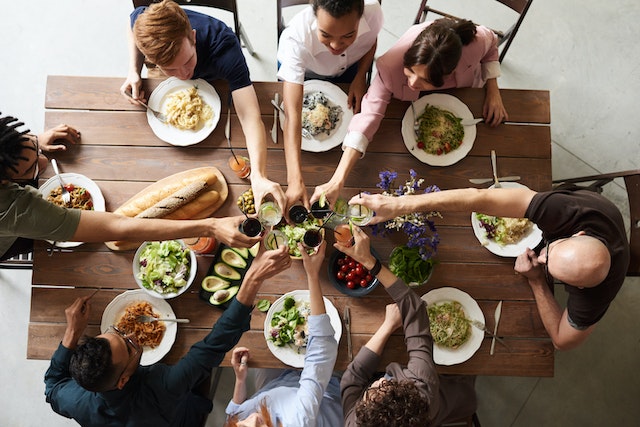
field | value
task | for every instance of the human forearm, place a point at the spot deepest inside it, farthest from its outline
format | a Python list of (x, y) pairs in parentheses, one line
[(239, 391), (379, 339), (292, 100), (136, 58), (315, 297)]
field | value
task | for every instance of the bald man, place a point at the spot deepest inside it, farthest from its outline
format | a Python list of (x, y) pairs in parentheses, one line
[(586, 247)]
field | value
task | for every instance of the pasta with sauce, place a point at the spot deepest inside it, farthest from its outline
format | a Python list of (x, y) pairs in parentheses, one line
[(80, 197), (186, 110), (449, 324), (147, 333)]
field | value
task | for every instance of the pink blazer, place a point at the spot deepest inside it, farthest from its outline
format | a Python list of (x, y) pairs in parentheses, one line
[(390, 80)]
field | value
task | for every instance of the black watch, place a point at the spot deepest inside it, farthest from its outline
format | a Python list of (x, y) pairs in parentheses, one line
[(376, 268)]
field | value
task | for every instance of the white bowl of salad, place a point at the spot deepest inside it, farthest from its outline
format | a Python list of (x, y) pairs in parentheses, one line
[(164, 269)]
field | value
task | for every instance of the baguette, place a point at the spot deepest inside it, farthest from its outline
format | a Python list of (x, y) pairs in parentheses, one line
[(174, 202)]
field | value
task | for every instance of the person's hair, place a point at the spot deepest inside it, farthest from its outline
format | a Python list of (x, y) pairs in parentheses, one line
[(11, 145), (159, 32), (91, 365), (393, 404), (439, 47), (338, 8), (232, 420)]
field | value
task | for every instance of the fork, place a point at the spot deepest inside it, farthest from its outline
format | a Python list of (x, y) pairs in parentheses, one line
[(66, 197), (416, 124), (478, 324), (305, 133), (143, 318), (158, 114), (495, 170)]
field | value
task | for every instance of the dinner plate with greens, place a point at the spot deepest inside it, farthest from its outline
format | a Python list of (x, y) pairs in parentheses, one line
[(451, 312), (443, 140), (285, 326)]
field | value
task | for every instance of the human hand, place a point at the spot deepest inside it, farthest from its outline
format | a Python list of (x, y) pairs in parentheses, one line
[(527, 265), (132, 89), (312, 263), (268, 263), (331, 191), (361, 248), (296, 193), (63, 132), (493, 109), (226, 230), (357, 89), (239, 361), (392, 317), (385, 207), (262, 186), (77, 315)]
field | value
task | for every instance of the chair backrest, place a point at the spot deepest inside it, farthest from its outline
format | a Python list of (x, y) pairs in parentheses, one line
[(632, 184), (280, 4), (22, 262), (521, 7), (227, 5)]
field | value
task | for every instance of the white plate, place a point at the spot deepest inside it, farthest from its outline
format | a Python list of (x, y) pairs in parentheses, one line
[(445, 102), (448, 356), (287, 354), (171, 134), (116, 308), (79, 181), (324, 142), (530, 240)]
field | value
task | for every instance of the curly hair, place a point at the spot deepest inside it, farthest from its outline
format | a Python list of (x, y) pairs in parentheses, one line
[(159, 32), (393, 404), (439, 47), (91, 365), (338, 8), (11, 145)]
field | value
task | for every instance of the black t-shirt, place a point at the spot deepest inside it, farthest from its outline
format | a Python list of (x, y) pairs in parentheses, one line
[(561, 214)]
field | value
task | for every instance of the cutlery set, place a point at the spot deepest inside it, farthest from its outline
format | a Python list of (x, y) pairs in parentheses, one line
[(305, 133)]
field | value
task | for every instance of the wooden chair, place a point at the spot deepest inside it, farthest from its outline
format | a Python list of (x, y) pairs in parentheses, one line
[(504, 37), (19, 262), (470, 421), (227, 5), (632, 183)]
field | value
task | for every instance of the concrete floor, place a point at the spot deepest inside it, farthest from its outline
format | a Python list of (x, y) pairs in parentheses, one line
[(584, 52)]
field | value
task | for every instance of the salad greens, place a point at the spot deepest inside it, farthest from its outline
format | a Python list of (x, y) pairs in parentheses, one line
[(295, 233), (289, 324), (164, 266), (407, 264), (263, 305)]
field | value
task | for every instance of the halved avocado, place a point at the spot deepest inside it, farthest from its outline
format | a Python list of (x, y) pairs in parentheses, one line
[(223, 295), (225, 271), (244, 252), (233, 259), (214, 283), (253, 250)]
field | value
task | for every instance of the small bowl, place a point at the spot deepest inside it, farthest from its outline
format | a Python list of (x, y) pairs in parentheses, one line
[(193, 269), (341, 285)]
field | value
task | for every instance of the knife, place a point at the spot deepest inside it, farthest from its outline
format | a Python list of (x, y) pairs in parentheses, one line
[(274, 128), (495, 169), (495, 329), (347, 324), (485, 180), (471, 122)]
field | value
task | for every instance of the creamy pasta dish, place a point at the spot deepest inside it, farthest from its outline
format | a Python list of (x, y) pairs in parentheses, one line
[(318, 115), (147, 333), (186, 110)]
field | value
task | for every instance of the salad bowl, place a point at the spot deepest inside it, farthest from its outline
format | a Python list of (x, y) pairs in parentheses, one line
[(164, 269)]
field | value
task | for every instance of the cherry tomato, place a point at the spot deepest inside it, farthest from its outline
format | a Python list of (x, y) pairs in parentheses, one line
[(368, 277), (340, 261), (350, 276), (359, 270), (352, 264), (344, 268), (69, 187), (340, 275), (420, 145), (351, 284), (363, 283)]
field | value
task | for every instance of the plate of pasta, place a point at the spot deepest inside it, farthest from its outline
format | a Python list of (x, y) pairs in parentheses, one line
[(192, 108), (451, 312), (325, 115), (85, 194), (506, 237), (155, 338), (444, 141)]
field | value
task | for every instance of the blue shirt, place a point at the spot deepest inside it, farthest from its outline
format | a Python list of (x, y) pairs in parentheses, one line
[(156, 395), (308, 398), (218, 50)]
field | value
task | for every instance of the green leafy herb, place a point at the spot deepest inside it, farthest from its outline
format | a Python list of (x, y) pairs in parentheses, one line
[(407, 264)]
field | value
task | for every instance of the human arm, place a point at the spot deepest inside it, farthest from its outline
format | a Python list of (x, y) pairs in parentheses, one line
[(392, 321), (239, 359), (493, 109), (507, 202), (133, 82), (555, 320), (97, 226), (248, 110), (358, 86), (333, 188), (292, 99), (77, 316), (62, 132)]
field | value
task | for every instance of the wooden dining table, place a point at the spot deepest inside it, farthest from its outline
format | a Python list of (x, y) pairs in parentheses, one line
[(120, 152)]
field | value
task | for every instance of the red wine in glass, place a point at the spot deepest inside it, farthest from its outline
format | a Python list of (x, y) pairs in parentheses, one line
[(251, 227), (312, 238)]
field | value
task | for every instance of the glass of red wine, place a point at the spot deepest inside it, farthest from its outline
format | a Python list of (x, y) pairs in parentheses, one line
[(312, 238), (251, 227)]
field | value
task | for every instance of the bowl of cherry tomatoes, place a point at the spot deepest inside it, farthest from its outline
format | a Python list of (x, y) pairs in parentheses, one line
[(349, 276)]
